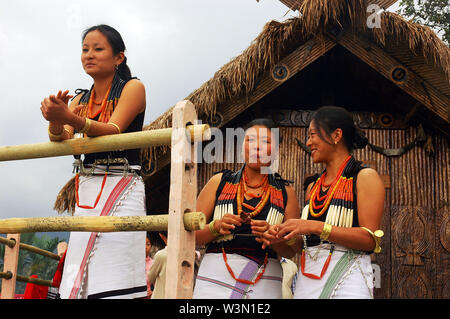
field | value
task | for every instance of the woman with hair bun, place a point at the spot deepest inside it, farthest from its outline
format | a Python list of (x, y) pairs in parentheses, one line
[(339, 224), (103, 265)]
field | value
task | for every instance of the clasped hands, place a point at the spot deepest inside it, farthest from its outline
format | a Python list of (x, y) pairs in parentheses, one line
[(55, 108), (265, 233)]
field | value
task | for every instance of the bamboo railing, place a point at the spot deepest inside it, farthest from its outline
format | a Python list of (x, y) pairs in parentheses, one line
[(181, 222)]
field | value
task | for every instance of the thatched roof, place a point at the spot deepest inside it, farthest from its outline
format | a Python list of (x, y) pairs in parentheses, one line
[(414, 45), (277, 39)]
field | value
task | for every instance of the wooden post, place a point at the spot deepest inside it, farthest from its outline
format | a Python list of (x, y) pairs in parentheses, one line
[(182, 198), (11, 260)]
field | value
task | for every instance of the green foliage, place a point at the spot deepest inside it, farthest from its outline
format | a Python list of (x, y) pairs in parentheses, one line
[(432, 13), (31, 263)]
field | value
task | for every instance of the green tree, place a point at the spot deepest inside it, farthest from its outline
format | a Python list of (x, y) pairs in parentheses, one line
[(33, 264), (432, 13)]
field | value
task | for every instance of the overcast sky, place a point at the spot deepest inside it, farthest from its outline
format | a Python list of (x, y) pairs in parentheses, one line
[(172, 46)]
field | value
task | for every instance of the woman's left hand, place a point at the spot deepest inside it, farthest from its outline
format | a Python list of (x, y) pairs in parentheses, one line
[(269, 237), (293, 228), (259, 227), (55, 108)]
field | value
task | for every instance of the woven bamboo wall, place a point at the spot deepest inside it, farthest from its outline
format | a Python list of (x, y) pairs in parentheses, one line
[(415, 258)]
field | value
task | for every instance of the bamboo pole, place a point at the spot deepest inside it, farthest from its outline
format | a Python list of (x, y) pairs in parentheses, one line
[(39, 251), (8, 275), (192, 221), (8, 242), (11, 243), (104, 143), (37, 281)]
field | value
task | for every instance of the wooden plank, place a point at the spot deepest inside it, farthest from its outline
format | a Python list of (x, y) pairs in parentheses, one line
[(299, 59), (182, 198), (10, 262), (413, 85)]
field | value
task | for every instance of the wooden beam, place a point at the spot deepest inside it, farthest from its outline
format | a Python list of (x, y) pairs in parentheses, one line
[(182, 199), (299, 59), (386, 65)]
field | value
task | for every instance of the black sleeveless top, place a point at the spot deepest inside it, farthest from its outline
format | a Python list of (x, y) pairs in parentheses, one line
[(133, 155), (314, 240), (244, 245)]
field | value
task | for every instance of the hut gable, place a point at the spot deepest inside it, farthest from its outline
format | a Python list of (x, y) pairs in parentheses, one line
[(395, 82), (408, 55)]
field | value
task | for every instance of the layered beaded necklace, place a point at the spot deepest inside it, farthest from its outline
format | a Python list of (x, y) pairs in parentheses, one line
[(105, 111), (338, 204), (235, 189), (338, 200)]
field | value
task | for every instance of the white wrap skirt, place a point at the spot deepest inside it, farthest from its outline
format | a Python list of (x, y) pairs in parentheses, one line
[(349, 275), (107, 265), (215, 282)]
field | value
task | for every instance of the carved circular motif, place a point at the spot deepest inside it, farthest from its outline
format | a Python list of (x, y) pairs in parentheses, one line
[(215, 120), (386, 120), (418, 238), (411, 286), (280, 73), (444, 232), (399, 74)]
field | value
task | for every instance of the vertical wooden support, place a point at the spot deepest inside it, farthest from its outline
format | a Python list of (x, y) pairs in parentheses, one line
[(182, 199), (11, 260)]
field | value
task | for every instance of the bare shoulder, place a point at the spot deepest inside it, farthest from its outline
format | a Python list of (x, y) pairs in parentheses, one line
[(367, 174), (134, 84), (290, 191), (214, 181), (369, 179)]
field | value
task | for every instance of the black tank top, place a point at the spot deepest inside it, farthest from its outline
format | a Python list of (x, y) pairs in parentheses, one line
[(244, 245), (133, 155), (313, 240)]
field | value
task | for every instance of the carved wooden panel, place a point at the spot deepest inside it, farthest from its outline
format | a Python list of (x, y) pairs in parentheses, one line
[(413, 252), (415, 257), (412, 235)]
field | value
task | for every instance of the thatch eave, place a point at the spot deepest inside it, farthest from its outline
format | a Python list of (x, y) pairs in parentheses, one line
[(238, 77)]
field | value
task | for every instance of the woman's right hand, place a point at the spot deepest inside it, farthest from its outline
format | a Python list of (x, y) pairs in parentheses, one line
[(227, 223), (55, 109)]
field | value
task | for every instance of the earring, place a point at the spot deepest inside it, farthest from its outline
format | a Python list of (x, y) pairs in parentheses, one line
[(117, 67)]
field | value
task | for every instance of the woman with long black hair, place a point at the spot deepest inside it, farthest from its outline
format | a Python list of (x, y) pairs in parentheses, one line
[(339, 224), (103, 265)]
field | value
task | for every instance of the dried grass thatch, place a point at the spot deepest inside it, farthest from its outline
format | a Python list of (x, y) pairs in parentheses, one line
[(239, 76), (277, 39)]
